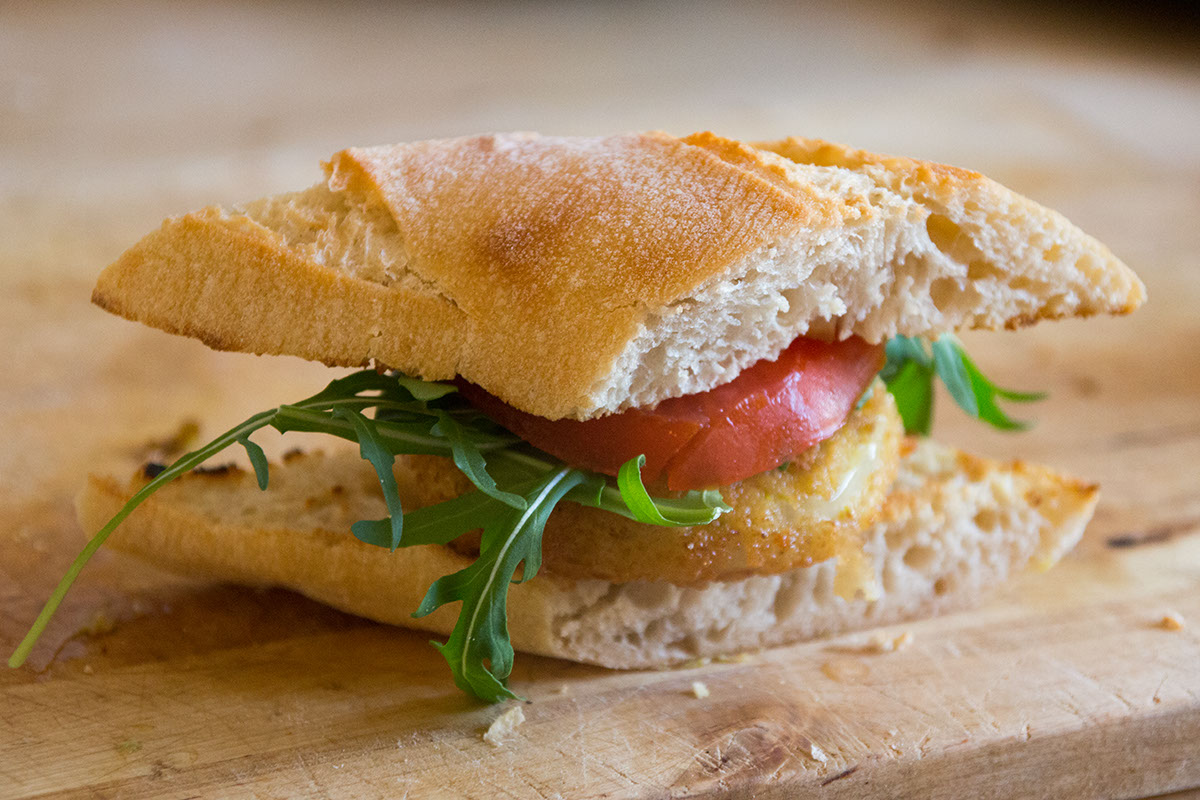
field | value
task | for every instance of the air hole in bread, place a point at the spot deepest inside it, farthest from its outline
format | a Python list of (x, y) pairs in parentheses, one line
[(919, 557), (981, 270), (787, 600), (890, 579), (943, 232), (1026, 284), (944, 291), (987, 520), (943, 586), (947, 236), (679, 647), (1057, 304)]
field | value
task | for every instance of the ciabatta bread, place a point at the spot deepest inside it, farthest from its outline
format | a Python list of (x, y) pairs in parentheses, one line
[(575, 277), (953, 527)]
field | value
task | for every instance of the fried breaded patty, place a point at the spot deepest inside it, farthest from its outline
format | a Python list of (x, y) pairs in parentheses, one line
[(796, 515)]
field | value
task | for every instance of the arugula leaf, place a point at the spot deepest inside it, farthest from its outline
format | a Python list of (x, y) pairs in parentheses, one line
[(986, 393), (645, 509), (913, 389), (633, 492), (479, 650), (354, 384), (910, 371), (422, 390), (948, 362), (258, 459), (374, 450), (690, 508), (412, 437), (444, 522), (901, 350), (470, 461)]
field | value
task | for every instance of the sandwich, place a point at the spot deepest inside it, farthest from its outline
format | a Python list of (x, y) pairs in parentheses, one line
[(629, 400)]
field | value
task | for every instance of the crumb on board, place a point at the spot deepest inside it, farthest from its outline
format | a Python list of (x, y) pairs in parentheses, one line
[(87, 669), (1172, 621), (883, 642), (100, 624), (734, 658), (816, 753), (503, 725), (700, 690), (704, 661)]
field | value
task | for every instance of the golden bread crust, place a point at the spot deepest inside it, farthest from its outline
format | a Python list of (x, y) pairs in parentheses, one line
[(573, 277), (563, 244), (234, 288)]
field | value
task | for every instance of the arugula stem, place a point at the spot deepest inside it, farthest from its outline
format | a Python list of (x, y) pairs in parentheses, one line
[(187, 462), (402, 439)]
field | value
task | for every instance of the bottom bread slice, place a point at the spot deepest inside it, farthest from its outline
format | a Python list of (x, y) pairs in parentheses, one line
[(953, 527)]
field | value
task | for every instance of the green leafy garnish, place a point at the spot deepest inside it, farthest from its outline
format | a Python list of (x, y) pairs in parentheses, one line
[(909, 374), (479, 651), (470, 461), (516, 488), (258, 459), (372, 448), (639, 501)]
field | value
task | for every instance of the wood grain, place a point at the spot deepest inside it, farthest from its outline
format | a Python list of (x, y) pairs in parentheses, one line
[(151, 685)]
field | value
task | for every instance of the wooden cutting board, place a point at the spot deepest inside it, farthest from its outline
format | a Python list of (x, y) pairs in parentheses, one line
[(151, 685)]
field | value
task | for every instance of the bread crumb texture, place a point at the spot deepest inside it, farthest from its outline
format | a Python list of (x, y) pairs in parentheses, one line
[(1172, 621), (884, 642), (503, 726), (573, 277), (700, 690)]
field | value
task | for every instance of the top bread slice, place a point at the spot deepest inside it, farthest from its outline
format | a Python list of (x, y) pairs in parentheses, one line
[(573, 277)]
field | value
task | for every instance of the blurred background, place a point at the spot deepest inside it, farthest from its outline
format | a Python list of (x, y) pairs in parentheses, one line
[(123, 112)]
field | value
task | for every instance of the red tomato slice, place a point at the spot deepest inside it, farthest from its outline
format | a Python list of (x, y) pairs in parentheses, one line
[(762, 418)]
